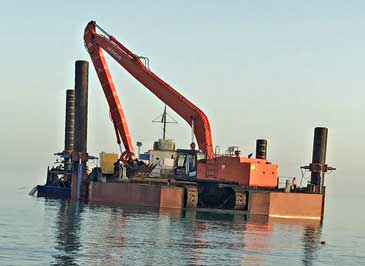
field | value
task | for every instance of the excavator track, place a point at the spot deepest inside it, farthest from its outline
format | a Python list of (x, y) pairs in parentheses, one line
[(240, 199), (191, 197)]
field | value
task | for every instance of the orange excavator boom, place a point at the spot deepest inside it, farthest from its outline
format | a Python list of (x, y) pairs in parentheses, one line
[(96, 43)]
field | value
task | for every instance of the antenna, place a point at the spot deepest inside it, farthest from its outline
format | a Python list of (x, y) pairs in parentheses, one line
[(162, 118)]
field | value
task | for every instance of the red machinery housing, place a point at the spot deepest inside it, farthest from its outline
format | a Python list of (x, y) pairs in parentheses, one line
[(238, 170)]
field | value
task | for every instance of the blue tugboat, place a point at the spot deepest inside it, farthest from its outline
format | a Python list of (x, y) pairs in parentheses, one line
[(58, 181)]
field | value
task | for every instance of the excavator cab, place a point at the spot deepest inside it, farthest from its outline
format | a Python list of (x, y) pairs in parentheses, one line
[(186, 163)]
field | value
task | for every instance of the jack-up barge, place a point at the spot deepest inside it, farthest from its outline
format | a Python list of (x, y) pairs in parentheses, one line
[(199, 178)]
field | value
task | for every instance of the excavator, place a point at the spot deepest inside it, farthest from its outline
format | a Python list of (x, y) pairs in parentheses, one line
[(206, 173)]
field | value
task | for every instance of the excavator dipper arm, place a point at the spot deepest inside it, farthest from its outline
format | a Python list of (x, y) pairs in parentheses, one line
[(95, 43), (116, 110)]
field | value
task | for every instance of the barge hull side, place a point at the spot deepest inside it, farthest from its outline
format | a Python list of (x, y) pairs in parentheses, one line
[(134, 194)]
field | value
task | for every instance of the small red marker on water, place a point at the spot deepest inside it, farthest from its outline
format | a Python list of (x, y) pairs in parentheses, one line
[(323, 242)]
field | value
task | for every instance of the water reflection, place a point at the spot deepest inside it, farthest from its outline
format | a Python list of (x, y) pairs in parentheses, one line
[(194, 233), (110, 235), (257, 240), (67, 227), (311, 244)]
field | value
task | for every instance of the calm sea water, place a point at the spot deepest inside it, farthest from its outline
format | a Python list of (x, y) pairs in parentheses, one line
[(36, 231)]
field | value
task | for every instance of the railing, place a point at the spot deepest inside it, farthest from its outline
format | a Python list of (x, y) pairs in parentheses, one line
[(287, 181)]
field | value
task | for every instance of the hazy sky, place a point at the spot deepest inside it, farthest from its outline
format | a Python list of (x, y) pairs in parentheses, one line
[(259, 69)]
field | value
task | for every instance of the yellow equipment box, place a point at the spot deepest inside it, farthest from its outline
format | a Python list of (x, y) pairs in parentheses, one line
[(107, 161)]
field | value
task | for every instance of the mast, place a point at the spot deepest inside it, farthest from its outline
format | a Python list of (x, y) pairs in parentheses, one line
[(164, 123), (163, 120)]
